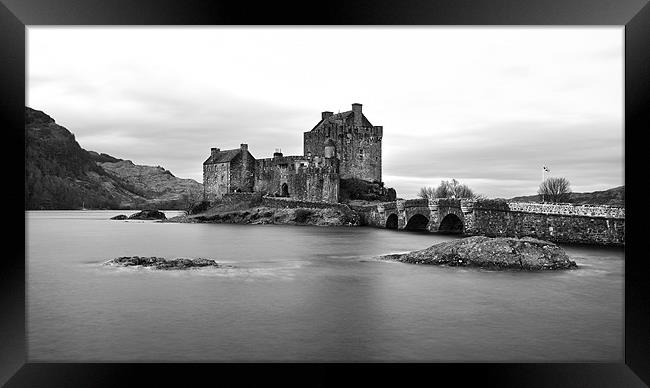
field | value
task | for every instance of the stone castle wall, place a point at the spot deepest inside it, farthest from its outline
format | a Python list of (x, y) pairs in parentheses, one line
[(295, 203), (272, 173), (358, 149), (242, 172), (233, 198), (216, 180), (314, 184), (267, 176)]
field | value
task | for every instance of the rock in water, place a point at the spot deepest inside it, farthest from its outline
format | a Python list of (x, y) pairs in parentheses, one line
[(148, 215), (119, 217), (161, 263), (494, 253)]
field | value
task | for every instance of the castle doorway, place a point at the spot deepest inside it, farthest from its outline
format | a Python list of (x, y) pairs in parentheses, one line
[(285, 190)]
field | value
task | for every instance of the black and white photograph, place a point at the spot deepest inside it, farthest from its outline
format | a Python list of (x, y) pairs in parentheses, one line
[(325, 194)]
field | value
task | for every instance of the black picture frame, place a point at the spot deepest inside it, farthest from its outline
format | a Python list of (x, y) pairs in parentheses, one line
[(15, 371)]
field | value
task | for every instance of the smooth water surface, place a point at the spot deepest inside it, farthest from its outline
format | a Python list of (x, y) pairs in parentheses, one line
[(302, 293)]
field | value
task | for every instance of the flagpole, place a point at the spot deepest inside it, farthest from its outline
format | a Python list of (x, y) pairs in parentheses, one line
[(543, 179)]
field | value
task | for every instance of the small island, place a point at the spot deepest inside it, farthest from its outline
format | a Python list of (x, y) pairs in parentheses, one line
[(142, 215), (491, 253), (161, 263)]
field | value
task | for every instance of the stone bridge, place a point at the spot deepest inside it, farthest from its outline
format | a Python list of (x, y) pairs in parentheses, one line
[(437, 215), (592, 224)]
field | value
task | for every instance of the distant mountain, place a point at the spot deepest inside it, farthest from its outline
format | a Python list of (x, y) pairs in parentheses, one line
[(612, 197), (154, 183), (59, 174)]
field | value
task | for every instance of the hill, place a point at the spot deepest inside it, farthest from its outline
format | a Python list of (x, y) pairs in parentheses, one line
[(157, 184), (60, 174), (611, 197)]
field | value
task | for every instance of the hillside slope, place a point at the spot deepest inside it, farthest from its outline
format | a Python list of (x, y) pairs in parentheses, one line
[(611, 197), (155, 183), (59, 174)]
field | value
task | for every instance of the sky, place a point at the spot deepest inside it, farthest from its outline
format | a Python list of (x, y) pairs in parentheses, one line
[(488, 106)]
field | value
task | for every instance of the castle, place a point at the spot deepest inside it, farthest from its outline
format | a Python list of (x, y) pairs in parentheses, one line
[(341, 146)]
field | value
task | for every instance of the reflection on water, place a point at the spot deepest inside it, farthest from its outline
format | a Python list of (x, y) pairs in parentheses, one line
[(302, 294)]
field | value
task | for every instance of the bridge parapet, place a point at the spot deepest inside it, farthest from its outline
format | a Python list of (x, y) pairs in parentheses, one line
[(449, 202), (415, 202), (568, 209), (564, 223)]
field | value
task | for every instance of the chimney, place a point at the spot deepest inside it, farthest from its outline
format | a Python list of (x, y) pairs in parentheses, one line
[(213, 151), (326, 114), (244, 156), (358, 116)]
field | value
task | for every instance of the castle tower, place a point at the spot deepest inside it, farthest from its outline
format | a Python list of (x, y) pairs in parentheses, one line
[(357, 143)]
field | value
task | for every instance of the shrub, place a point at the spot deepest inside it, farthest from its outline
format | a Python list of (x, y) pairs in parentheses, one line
[(302, 215), (354, 188), (256, 199), (199, 207)]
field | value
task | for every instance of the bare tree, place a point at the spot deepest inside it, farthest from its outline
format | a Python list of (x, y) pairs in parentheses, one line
[(453, 189), (448, 189), (555, 190), (427, 192)]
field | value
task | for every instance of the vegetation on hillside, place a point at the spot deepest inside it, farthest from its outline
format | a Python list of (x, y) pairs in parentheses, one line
[(358, 189), (58, 172), (612, 197)]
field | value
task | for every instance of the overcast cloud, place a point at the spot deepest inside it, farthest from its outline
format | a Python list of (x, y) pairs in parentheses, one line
[(487, 106)]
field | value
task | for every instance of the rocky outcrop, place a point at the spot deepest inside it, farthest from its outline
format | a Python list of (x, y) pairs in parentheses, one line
[(119, 217), (493, 253), (148, 215), (161, 263), (268, 215)]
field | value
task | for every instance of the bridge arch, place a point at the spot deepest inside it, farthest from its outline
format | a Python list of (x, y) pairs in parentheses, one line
[(452, 224), (417, 222), (392, 221)]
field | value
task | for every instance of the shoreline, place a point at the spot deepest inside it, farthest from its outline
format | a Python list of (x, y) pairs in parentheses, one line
[(263, 215), (245, 213)]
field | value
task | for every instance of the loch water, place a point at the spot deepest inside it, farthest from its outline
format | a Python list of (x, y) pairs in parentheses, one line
[(302, 293)]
